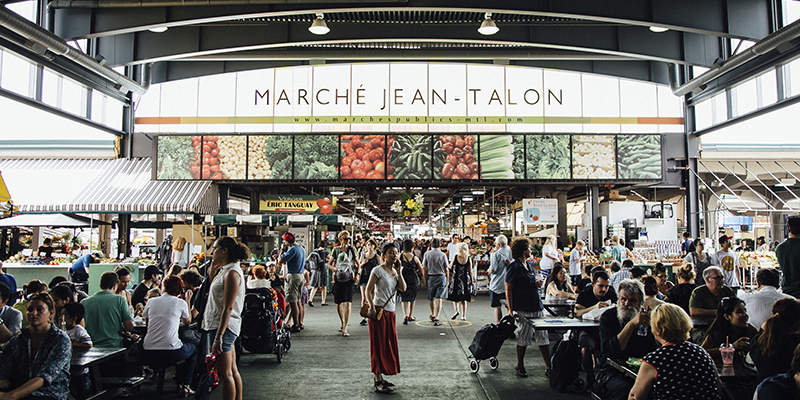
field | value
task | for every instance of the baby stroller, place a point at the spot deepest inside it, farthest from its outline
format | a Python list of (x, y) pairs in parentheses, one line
[(263, 331), (488, 341)]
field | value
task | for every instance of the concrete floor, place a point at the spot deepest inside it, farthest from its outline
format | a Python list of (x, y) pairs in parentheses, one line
[(433, 361)]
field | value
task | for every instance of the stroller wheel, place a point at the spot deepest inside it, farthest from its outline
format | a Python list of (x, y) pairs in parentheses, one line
[(493, 363), (279, 352), (474, 366), (578, 385), (287, 344)]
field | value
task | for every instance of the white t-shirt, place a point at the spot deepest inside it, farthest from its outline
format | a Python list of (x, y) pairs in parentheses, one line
[(257, 283), (547, 262), (78, 334), (452, 252), (729, 262), (163, 316), (385, 286)]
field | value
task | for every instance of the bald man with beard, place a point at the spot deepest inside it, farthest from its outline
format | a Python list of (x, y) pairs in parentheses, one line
[(619, 339)]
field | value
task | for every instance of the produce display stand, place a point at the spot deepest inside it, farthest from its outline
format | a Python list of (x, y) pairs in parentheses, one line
[(750, 262), (480, 269)]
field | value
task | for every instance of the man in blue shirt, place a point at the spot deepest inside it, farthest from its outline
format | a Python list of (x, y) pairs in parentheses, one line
[(497, 272), (293, 258), (79, 271)]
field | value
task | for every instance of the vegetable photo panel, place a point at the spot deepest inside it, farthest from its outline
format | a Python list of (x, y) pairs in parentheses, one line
[(316, 157), (278, 154), (593, 157), (258, 167), (178, 157), (460, 157), (364, 156), (547, 156), (496, 156), (639, 156), (411, 157)]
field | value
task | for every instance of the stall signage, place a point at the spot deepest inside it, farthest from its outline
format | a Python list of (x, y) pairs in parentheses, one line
[(296, 204), (380, 226), (540, 211)]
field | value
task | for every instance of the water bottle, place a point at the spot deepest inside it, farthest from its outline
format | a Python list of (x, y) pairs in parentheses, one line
[(642, 331)]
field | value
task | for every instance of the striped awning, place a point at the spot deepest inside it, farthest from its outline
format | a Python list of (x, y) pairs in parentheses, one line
[(118, 186)]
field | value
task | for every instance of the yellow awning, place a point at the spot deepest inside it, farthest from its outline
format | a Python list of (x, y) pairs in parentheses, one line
[(4, 195)]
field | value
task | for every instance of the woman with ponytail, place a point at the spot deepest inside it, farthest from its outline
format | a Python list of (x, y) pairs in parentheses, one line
[(772, 349), (222, 315)]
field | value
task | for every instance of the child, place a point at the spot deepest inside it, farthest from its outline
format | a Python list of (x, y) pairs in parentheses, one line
[(73, 315)]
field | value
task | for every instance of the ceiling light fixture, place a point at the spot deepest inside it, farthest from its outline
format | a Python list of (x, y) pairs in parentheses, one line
[(337, 191), (488, 27), (658, 29), (319, 27), (159, 29)]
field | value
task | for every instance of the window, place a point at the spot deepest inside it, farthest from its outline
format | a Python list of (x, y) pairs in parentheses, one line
[(791, 11), (15, 74)]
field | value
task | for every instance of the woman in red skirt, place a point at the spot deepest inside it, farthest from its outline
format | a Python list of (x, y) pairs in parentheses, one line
[(384, 282)]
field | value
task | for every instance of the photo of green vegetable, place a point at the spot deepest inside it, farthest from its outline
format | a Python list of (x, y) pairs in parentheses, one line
[(548, 156), (410, 157), (174, 157), (519, 156), (496, 156), (639, 156), (278, 153), (316, 156)]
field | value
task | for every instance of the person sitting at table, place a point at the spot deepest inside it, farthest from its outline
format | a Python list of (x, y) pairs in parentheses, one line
[(62, 296), (35, 363), (771, 350), (107, 314), (664, 284), (558, 284), (586, 278), (80, 339), (622, 274), (650, 292), (164, 315), (33, 287), (124, 281), (705, 299), (782, 386), (730, 326), (760, 302), (152, 278), (599, 295), (522, 296), (620, 340), (682, 292), (637, 273), (11, 317), (679, 369)]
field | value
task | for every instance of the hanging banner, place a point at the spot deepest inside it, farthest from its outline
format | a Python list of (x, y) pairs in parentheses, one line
[(296, 204), (380, 226), (540, 211)]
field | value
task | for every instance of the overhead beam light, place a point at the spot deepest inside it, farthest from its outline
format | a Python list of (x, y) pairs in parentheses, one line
[(335, 191), (158, 29), (319, 27), (658, 29), (488, 27)]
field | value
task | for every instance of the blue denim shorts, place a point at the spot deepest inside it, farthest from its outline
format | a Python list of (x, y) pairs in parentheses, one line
[(227, 340)]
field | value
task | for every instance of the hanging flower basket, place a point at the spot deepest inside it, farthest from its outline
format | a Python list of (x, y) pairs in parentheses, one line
[(408, 205)]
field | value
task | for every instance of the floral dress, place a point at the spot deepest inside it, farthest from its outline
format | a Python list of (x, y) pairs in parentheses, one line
[(459, 287), (51, 363)]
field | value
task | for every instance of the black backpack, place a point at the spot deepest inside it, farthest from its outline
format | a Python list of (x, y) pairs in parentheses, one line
[(564, 363), (259, 330)]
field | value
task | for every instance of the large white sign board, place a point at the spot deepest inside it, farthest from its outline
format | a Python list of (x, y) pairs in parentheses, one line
[(540, 211)]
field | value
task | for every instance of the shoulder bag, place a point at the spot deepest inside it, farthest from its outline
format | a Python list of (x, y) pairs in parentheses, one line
[(364, 312)]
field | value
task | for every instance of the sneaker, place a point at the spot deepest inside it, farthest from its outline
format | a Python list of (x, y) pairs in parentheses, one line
[(363, 322), (310, 304)]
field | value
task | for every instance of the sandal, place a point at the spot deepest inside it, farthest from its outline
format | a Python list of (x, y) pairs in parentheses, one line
[(324, 304), (433, 319), (384, 382), (310, 304), (405, 321), (380, 387), (412, 319), (436, 322), (521, 372), (363, 322), (186, 391), (455, 315), (345, 334)]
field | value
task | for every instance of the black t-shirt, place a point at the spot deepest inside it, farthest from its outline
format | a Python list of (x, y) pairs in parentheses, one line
[(777, 364), (139, 294), (45, 251), (638, 346), (526, 294), (588, 299), (584, 283)]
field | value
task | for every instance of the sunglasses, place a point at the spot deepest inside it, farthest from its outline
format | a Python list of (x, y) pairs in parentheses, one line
[(716, 278)]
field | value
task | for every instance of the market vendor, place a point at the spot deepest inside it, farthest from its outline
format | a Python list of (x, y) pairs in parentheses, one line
[(79, 271), (46, 249)]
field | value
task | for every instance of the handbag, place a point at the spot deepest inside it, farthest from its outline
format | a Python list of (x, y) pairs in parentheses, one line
[(364, 312)]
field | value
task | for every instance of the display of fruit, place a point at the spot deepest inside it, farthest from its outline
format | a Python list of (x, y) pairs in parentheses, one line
[(206, 158), (460, 161), (364, 157)]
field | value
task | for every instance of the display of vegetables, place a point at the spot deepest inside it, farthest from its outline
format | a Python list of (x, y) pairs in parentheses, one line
[(496, 156), (174, 157), (593, 157), (460, 161), (410, 156), (232, 156), (364, 157), (315, 156), (547, 157), (206, 158), (257, 165), (639, 156), (278, 153), (519, 156)]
